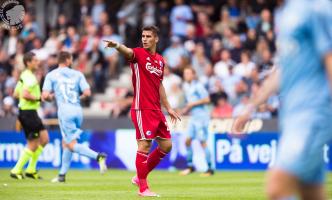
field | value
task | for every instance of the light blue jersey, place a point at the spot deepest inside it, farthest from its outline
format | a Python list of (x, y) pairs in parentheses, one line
[(195, 91), (304, 36), (67, 84), (200, 116)]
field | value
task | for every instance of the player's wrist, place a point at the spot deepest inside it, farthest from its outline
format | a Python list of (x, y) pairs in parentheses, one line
[(117, 45), (249, 108)]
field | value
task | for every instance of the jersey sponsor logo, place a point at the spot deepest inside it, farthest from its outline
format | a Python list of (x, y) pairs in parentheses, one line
[(153, 70)]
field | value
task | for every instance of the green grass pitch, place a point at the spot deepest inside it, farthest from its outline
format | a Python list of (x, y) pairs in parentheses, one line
[(90, 185)]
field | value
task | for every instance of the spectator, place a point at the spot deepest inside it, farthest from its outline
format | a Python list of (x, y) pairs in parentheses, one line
[(191, 39), (10, 43), (251, 40), (162, 15), (99, 65), (110, 54), (62, 23), (210, 80), (236, 48), (238, 109), (202, 22), (221, 67), (202, 6), (52, 43), (199, 61), (224, 22), (222, 109), (121, 107), (266, 64), (29, 26), (172, 84), (175, 55), (181, 15), (149, 13), (216, 50), (227, 37), (9, 108), (97, 8), (41, 53), (103, 20), (88, 40), (233, 9), (265, 25), (245, 67)]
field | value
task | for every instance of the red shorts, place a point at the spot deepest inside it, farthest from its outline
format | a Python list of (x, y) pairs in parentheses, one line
[(150, 124)]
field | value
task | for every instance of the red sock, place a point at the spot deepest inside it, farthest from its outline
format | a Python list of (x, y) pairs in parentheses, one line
[(154, 158), (142, 170)]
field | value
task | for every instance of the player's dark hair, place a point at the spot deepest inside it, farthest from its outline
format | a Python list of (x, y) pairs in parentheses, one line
[(154, 29), (63, 56), (28, 57)]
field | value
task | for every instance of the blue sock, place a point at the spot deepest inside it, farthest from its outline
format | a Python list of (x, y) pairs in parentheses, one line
[(66, 160), (189, 157), (208, 157), (85, 151)]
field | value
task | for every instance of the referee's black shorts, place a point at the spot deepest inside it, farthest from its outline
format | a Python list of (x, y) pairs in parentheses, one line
[(31, 123)]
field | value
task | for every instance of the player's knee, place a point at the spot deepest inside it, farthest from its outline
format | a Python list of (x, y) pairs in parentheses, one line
[(144, 146), (166, 147), (44, 138), (169, 147)]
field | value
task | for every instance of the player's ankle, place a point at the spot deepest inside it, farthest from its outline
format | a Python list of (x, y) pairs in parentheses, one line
[(143, 185)]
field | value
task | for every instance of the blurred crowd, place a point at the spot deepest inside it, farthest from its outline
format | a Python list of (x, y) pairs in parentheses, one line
[(229, 43)]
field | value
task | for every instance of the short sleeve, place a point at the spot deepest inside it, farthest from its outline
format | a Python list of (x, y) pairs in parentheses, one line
[(18, 87), (47, 86), (203, 93), (134, 58), (83, 83), (321, 26), (163, 68)]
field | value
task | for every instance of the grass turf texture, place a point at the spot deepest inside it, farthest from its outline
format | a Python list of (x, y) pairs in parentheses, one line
[(116, 184)]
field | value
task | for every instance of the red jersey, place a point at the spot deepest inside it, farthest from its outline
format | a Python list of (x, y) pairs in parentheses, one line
[(148, 72)]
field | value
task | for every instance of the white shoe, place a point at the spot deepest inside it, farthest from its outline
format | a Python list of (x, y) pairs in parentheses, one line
[(59, 179)]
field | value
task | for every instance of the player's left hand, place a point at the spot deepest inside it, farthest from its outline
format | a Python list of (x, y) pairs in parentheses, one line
[(174, 115)]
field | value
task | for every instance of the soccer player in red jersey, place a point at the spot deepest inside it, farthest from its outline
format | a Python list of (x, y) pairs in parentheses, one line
[(147, 74)]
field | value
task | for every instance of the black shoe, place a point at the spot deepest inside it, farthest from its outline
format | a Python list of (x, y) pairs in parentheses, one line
[(33, 176), (187, 171), (17, 176), (208, 173), (59, 179), (101, 156)]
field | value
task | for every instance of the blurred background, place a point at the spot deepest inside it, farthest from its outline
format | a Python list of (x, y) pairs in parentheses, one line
[(230, 44)]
